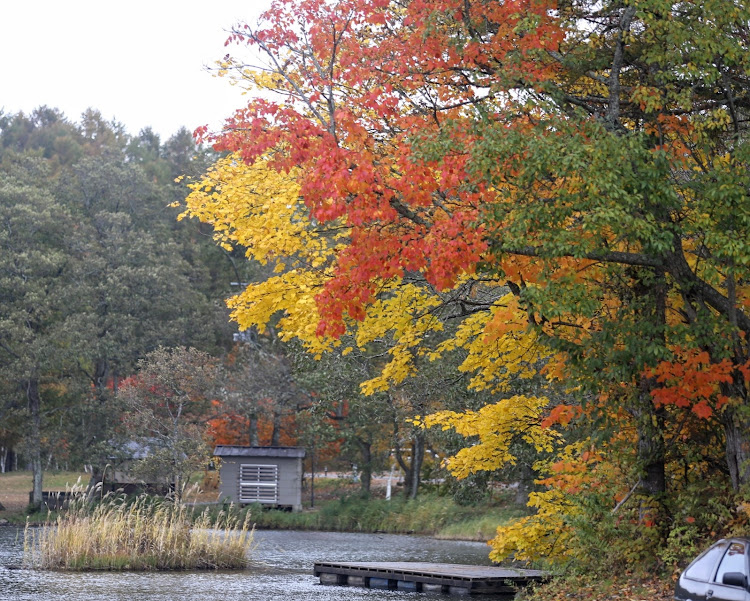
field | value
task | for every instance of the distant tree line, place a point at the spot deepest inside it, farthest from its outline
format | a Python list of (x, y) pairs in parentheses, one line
[(98, 279), (95, 273)]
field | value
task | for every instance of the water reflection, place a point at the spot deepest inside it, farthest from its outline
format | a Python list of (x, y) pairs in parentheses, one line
[(282, 570)]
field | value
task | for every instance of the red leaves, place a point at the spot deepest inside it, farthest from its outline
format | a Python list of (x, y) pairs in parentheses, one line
[(694, 382)]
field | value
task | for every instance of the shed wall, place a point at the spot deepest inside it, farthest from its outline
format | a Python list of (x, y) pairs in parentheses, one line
[(289, 478)]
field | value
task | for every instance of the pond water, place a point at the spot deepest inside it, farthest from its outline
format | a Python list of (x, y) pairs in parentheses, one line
[(281, 571)]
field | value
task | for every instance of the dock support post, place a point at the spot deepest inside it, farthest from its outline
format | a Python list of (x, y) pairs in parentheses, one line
[(409, 586), (356, 580), (327, 578), (382, 583)]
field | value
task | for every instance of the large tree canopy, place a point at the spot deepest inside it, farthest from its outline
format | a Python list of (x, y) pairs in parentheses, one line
[(565, 182)]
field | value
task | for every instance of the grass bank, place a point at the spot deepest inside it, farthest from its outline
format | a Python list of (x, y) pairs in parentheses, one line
[(340, 507)]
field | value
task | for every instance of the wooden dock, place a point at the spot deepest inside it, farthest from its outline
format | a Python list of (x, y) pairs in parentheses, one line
[(427, 577)]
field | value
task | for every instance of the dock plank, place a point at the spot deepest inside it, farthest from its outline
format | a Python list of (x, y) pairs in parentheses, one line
[(469, 578)]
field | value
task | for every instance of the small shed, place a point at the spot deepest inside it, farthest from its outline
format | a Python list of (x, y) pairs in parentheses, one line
[(121, 460), (268, 475)]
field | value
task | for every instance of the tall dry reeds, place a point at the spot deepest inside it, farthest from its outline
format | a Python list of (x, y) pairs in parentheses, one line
[(117, 533)]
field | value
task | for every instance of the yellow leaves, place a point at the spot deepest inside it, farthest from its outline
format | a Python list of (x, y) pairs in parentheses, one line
[(550, 533), (544, 535), (261, 80), (495, 426), (258, 208), (403, 314), (261, 209), (547, 533), (498, 345), (554, 369), (293, 295), (247, 78)]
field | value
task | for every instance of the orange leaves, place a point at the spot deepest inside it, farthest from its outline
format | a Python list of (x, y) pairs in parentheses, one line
[(505, 320), (561, 414), (230, 428), (694, 382), (703, 410), (227, 429), (744, 369), (573, 472)]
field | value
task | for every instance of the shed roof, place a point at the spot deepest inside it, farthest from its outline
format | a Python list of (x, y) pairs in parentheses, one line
[(134, 449), (237, 451)]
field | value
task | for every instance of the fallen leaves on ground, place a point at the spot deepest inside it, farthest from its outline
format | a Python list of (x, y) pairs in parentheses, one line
[(588, 588)]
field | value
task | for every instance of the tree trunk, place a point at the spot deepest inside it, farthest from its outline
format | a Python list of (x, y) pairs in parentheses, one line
[(252, 430), (101, 372), (312, 477), (97, 478), (412, 469), (35, 440), (276, 432), (366, 450), (736, 431), (405, 467), (651, 459), (649, 420), (417, 458)]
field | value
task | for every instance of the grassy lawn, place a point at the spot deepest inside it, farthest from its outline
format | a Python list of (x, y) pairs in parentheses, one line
[(15, 488)]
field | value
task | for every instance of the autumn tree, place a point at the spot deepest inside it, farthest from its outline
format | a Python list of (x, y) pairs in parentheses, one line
[(257, 208), (565, 183), (167, 404)]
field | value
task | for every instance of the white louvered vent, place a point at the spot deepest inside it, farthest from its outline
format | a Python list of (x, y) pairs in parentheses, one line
[(259, 483)]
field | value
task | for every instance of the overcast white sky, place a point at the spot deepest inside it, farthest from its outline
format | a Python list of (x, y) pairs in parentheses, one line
[(139, 62)]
